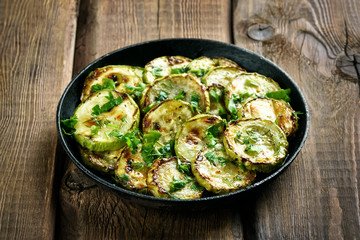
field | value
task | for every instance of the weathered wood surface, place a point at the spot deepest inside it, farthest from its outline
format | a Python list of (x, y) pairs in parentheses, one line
[(43, 195), (37, 49)]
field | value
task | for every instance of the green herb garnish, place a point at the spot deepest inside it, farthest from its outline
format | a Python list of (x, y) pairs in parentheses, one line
[(67, 125), (156, 72), (136, 91), (107, 83), (181, 95), (280, 94), (97, 110)]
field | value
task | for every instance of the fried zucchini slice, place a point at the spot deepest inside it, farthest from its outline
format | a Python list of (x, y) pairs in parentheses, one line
[(277, 111), (179, 86), (215, 170), (200, 66), (221, 76), (247, 86), (165, 180), (167, 118), (196, 133), (118, 77), (103, 118), (100, 161), (164, 66), (257, 143), (131, 171)]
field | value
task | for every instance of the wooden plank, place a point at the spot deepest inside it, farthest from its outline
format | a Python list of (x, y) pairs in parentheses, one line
[(37, 44), (317, 43), (87, 211)]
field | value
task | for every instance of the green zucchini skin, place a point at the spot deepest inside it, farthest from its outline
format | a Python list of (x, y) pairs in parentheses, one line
[(122, 75), (257, 143), (164, 66), (277, 111), (167, 118), (100, 161), (163, 172), (131, 171), (249, 86), (191, 137), (220, 177), (169, 87), (124, 118)]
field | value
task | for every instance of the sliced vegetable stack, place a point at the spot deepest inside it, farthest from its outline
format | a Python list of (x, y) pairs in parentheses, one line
[(181, 128)]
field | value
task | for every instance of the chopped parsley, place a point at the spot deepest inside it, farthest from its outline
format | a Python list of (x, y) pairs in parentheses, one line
[(131, 138), (235, 100), (280, 94), (156, 72), (67, 125), (179, 70), (97, 110), (107, 83), (215, 160), (215, 94), (184, 167), (136, 91), (199, 72), (163, 95), (194, 102), (178, 184), (181, 95), (124, 178)]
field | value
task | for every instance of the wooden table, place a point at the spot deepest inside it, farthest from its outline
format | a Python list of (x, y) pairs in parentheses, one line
[(44, 43)]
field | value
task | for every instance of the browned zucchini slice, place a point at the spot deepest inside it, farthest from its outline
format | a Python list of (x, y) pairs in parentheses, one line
[(165, 180), (257, 143), (274, 110), (215, 170), (100, 161), (131, 170), (167, 118), (117, 77)]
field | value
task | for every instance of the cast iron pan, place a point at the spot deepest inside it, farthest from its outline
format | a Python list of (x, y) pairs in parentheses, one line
[(139, 55)]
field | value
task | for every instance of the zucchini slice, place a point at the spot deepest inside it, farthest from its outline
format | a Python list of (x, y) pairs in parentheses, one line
[(196, 133), (245, 87), (165, 180), (200, 66), (131, 171), (103, 118), (164, 66), (179, 86), (221, 76), (100, 161), (214, 170), (277, 111), (118, 77), (257, 143), (167, 118)]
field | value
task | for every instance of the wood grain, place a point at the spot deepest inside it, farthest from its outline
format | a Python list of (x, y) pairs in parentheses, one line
[(89, 212), (37, 42), (318, 197)]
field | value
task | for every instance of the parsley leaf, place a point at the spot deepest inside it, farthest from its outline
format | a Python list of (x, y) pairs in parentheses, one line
[(199, 72), (177, 184), (253, 149), (135, 90), (280, 94), (148, 148), (181, 95), (107, 83), (215, 94), (213, 159), (131, 138), (163, 95), (184, 167), (156, 72), (194, 102), (179, 70), (124, 178), (235, 100), (97, 110), (68, 125), (196, 187)]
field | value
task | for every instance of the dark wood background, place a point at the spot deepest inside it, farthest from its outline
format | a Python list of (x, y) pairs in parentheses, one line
[(44, 43)]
